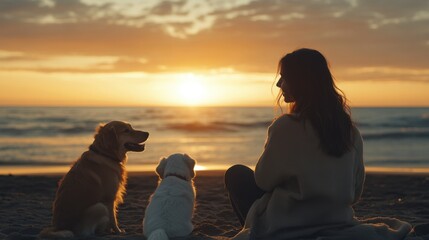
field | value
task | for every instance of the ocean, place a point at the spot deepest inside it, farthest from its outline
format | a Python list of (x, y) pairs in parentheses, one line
[(217, 137)]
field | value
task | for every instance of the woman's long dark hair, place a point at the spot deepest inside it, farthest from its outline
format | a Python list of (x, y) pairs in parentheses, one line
[(318, 99)]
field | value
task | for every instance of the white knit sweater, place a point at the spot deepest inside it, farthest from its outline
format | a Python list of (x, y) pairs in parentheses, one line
[(309, 193)]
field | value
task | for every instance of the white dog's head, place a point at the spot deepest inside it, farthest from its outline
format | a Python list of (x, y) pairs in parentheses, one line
[(177, 164)]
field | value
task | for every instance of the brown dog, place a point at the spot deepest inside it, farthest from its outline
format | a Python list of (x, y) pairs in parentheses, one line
[(88, 195)]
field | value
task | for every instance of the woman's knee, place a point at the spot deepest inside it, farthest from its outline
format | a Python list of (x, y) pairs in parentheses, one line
[(238, 173)]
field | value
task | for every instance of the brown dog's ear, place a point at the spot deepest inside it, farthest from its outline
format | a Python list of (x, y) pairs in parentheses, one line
[(110, 138), (98, 139), (191, 164), (106, 138), (161, 167), (98, 129)]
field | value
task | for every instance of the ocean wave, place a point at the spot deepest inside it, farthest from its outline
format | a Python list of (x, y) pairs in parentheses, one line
[(31, 116), (396, 135), (19, 162), (215, 126), (197, 127), (151, 114), (53, 119), (45, 131), (420, 121), (261, 124), (397, 162)]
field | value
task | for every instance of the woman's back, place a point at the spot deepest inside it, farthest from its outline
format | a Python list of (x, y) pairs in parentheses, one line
[(311, 171), (306, 186)]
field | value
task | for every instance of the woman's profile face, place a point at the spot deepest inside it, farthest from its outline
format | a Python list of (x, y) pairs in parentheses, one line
[(282, 84)]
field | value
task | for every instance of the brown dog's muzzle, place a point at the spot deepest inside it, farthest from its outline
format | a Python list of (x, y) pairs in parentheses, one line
[(138, 145)]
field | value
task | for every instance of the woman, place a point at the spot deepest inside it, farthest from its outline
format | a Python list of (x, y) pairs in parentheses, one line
[(311, 171)]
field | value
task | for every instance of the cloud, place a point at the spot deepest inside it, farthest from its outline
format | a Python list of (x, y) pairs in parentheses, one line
[(19, 61), (383, 74), (191, 35)]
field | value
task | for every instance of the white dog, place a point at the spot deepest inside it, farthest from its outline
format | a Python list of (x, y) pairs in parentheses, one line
[(171, 206)]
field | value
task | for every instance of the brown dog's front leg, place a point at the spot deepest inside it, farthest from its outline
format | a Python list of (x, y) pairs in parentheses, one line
[(113, 220)]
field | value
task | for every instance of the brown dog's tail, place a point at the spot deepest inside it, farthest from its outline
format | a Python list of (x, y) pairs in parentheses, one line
[(51, 233)]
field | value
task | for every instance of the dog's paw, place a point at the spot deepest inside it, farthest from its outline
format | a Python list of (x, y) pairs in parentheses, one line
[(117, 230)]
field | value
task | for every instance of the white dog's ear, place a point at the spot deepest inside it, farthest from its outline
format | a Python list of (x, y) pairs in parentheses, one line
[(161, 167), (191, 164)]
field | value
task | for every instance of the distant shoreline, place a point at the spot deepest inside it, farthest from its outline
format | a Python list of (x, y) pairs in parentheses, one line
[(204, 170), (184, 106)]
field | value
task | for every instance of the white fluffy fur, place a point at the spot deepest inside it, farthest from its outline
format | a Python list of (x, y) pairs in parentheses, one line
[(171, 206)]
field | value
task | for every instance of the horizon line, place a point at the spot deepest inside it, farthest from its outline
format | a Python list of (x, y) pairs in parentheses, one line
[(200, 106), (149, 168)]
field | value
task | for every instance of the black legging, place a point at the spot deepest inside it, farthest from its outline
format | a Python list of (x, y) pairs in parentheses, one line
[(242, 190)]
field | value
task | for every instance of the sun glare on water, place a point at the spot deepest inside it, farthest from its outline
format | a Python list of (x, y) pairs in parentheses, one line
[(192, 91), (199, 168)]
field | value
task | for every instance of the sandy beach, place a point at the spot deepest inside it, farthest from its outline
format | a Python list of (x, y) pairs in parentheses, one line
[(25, 203)]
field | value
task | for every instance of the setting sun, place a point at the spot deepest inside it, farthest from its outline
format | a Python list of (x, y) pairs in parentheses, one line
[(191, 89), (92, 88)]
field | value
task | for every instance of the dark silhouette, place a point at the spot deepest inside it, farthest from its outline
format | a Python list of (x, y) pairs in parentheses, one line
[(311, 90), (311, 171)]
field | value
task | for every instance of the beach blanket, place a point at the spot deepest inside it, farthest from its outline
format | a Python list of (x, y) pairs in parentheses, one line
[(379, 228)]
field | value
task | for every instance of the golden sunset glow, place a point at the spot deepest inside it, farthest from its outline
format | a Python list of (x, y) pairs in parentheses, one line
[(184, 89), (194, 53), (191, 89), (199, 168)]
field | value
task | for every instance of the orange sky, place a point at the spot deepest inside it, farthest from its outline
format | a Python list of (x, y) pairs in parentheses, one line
[(223, 52)]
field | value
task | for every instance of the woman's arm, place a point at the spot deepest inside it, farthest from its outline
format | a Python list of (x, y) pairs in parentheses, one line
[(272, 168), (360, 168)]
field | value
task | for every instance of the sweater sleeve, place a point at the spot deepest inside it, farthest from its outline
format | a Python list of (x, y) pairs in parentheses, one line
[(360, 168), (272, 168)]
